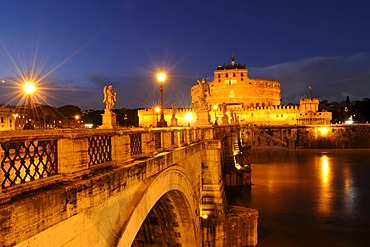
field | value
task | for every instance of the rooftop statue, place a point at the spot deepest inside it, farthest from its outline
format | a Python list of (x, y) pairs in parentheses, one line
[(110, 97), (174, 110)]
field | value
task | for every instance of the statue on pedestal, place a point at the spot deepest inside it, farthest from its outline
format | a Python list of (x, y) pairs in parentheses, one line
[(109, 117), (204, 92), (174, 119), (110, 98)]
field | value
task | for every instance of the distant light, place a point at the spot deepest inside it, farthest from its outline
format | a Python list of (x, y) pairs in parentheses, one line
[(189, 117), (215, 107), (89, 126), (157, 109), (204, 216), (349, 121), (323, 130)]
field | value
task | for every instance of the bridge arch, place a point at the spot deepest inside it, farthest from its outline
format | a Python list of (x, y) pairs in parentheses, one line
[(171, 195)]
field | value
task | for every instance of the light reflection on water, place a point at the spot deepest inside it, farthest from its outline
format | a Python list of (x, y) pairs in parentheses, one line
[(310, 197), (325, 196)]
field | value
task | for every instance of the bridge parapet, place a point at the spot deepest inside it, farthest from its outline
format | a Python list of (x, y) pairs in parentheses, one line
[(58, 155)]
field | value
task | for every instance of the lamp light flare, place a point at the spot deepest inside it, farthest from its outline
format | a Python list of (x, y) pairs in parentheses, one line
[(189, 117), (161, 76), (29, 87)]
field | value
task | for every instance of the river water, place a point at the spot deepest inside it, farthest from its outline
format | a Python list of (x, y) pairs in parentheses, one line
[(309, 197)]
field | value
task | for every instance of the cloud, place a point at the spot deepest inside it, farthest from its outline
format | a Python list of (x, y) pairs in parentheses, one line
[(331, 78)]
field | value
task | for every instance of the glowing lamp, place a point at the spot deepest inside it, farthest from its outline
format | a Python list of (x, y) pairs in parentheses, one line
[(29, 87), (161, 76)]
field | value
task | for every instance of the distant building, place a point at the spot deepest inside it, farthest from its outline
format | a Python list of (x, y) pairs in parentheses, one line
[(11, 118), (234, 97)]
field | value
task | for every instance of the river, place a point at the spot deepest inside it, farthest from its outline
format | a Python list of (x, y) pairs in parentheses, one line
[(309, 197)]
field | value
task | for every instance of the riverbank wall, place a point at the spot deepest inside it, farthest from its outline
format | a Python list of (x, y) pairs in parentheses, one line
[(309, 137)]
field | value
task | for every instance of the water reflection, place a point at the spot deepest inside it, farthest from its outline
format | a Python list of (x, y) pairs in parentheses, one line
[(310, 197), (325, 192), (349, 190)]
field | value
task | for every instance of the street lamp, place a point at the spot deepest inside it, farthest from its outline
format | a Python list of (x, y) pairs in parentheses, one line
[(28, 89), (161, 77)]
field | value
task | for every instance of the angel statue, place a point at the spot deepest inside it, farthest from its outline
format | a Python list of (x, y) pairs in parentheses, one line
[(204, 92), (109, 97)]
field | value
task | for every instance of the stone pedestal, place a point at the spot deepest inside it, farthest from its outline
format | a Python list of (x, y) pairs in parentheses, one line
[(109, 120), (173, 122), (241, 226), (203, 117), (225, 119)]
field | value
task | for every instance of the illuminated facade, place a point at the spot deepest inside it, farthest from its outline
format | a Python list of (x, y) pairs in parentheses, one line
[(253, 101), (10, 119), (232, 97)]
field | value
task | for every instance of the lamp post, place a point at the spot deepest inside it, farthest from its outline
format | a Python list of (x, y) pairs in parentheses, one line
[(28, 89), (215, 107), (157, 110), (161, 77)]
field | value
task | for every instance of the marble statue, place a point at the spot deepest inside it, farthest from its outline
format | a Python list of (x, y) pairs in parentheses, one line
[(110, 97)]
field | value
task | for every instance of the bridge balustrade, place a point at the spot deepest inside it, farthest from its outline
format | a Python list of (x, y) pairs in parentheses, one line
[(52, 156)]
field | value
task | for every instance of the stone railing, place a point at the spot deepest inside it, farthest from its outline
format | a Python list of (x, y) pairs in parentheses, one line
[(51, 156)]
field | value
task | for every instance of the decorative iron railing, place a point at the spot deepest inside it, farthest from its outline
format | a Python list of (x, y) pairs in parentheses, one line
[(100, 149), (172, 138), (135, 144), (182, 137), (157, 140), (25, 161)]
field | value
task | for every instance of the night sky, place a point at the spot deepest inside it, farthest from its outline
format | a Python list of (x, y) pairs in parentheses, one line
[(72, 48)]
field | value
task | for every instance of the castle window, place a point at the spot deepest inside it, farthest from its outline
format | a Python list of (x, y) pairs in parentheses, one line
[(219, 80), (2, 120), (219, 76), (241, 79), (227, 75), (241, 74), (233, 74)]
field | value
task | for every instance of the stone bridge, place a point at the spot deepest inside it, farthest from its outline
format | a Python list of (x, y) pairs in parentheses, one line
[(120, 187)]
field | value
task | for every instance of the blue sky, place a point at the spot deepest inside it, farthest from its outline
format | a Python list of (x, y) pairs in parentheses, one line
[(75, 47)]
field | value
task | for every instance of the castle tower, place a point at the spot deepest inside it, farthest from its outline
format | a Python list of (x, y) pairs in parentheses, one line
[(232, 86)]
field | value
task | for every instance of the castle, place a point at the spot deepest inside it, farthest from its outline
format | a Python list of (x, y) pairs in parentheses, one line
[(233, 97)]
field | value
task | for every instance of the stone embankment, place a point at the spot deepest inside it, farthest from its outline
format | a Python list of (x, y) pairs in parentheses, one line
[(309, 137)]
